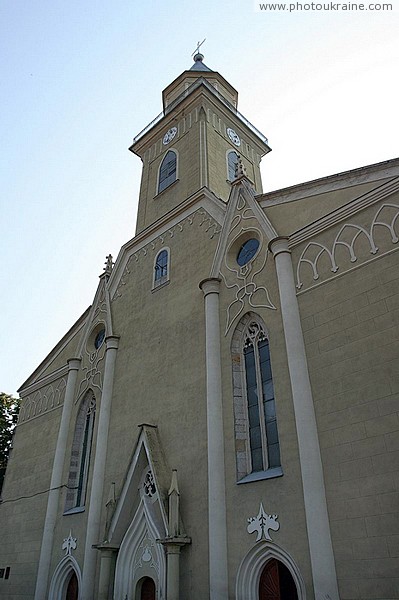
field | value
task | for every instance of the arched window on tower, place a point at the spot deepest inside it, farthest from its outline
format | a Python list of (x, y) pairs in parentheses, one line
[(161, 268), (167, 170), (80, 455), (258, 454), (232, 160)]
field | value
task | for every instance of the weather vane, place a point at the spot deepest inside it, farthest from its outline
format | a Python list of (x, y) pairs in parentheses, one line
[(199, 44)]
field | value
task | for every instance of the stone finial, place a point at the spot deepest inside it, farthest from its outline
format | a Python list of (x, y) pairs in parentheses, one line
[(108, 265), (240, 170), (174, 508), (111, 500)]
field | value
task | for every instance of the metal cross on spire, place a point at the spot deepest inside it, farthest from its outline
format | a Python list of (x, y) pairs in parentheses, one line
[(199, 44)]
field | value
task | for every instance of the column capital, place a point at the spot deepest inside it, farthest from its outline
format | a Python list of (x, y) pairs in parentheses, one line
[(279, 245), (112, 342), (74, 364), (175, 543), (211, 285)]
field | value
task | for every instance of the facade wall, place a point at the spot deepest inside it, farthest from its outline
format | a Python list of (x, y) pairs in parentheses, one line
[(24, 501), (351, 329)]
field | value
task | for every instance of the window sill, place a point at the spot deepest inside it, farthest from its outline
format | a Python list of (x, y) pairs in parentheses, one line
[(73, 511), (260, 475), (166, 189), (160, 285)]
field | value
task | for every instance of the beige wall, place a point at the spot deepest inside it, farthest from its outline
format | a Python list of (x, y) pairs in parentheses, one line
[(22, 519), (351, 326)]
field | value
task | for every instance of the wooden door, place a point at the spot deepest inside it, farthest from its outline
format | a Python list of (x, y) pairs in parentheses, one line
[(276, 582), (269, 585)]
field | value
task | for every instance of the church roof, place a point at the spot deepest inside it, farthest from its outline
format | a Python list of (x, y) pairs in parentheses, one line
[(198, 64)]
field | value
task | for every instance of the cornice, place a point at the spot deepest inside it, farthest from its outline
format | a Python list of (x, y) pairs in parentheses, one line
[(367, 174), (344, 212), (58, 348), (37, 385), (203, 198), (202, 93)]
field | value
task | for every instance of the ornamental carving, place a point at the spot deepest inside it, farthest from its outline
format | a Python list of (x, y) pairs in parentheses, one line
[(245, 281), (200, 217), (262, 523), (146, 554), (92, 370), (42, 401), (385, 218), (69, 544)]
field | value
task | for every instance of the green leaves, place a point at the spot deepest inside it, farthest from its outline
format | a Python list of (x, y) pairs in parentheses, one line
[(9, 409)]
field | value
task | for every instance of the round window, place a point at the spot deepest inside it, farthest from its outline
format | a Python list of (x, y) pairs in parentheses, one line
[(99, 338), (247, 251)]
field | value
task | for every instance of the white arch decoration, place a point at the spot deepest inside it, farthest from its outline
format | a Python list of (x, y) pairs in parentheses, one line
[(251, 567), (60, 578), (140, 556)]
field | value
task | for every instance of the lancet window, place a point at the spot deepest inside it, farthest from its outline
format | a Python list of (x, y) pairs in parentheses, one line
[(257, 440), (167, 171), (232, 160), (80, 455)]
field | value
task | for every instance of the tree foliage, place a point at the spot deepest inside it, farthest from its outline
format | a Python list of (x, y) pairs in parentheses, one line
[(9, 409)]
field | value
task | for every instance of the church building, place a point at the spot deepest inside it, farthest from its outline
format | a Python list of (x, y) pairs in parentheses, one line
[(222, 423)]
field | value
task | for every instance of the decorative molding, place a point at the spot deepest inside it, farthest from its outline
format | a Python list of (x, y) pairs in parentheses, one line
[(262, 523), (149, 486), (368, 174), (244, 279), (69, 544), (41, 383), (92, 370), (253, 563), (139, 555), (42, 401), (345, 212), (200, 217), (146, 555), (346, 237), (61, 577)]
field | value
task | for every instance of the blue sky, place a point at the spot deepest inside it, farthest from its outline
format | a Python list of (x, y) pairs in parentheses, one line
[(79, 79)]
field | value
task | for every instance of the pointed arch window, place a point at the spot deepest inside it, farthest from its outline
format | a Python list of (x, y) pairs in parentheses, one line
[(167, 170), (257, 440), (80, 455), (232, 161), (161, 268)]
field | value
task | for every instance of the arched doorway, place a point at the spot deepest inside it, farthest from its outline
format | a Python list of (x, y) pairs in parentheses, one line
[(148, 591), (72, 592), (276, 582)]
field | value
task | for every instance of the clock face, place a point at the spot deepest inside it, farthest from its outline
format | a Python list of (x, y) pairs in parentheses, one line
[(169, 135), (234, 137)]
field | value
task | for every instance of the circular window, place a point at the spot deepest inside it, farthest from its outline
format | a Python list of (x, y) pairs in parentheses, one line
[(247, 251), (99, 338)]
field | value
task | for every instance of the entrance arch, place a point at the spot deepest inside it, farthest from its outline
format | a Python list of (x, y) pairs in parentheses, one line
[(66, 579), (255, 563)]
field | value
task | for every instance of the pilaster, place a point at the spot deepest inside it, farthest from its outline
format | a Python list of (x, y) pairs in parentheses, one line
[(97, 486), (317, 521), (218, 572), (56, 481)]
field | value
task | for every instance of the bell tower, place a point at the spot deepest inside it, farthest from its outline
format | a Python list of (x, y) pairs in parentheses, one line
[(195, 143)]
